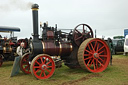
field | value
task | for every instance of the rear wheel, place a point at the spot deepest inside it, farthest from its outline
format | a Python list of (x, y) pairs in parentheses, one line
[(42, 66), (94, 55)]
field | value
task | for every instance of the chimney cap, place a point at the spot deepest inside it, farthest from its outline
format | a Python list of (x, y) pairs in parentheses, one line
[(35, 6)]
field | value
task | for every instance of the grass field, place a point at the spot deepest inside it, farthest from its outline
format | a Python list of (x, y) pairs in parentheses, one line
[(117, 74)]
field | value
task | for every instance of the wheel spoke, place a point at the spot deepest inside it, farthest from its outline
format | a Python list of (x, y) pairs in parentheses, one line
[(95, 45), (101, 59), (86, 54), (92, 47), (90, 63), (41, 73), (47, 70), (36, 66), (48, 63), (37, 62), (79, 38), (49, 66), (83, 29), (87, 58), (78, 32), (37, 70), (94, 65), (44, 73), (88, 51), (87, 33), (89, 48), (41, 60), (101, 52), (24, 60), (100, 48), (26, 67), (100, 63), (45, 59), (103, 55), (25, 64)]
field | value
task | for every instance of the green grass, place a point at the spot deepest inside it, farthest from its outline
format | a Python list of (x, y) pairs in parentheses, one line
[(117, 74)]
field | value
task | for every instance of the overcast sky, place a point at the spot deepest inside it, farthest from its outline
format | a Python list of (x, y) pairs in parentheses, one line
[(108, 17)]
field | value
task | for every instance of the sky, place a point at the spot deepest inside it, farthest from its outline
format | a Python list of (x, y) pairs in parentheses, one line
[(108, 17)]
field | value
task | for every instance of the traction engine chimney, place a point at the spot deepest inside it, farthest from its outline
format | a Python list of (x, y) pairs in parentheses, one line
[(35, 22)]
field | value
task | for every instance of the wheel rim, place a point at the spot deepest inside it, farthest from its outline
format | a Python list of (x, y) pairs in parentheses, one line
[(24, 64), (80, 35), (1, 61), (42, 66), (96, 55)]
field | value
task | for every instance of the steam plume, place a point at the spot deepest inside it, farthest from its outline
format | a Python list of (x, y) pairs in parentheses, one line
[(15, 4)]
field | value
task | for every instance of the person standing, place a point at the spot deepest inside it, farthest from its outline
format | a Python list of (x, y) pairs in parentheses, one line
[(110, 44), (16, 65), (20, 49)]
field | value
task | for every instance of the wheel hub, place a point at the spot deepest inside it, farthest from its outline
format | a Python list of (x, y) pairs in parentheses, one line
[(96, 55), (44, 67)]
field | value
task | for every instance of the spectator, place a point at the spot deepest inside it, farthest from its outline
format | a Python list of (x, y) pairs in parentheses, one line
[(111, 48), (20, 49)]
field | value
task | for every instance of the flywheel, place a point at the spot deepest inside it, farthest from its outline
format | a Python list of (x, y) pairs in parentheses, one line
[(81, 33)]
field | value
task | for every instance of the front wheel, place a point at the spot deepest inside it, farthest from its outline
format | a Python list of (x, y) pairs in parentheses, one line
[(42, 66)]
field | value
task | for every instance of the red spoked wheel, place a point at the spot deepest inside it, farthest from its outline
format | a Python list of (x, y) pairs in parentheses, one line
[(1, 61), (42, 66), (81, 33), (94, 55), (24, 64)]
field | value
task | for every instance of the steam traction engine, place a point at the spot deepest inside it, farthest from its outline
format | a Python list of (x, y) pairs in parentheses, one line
[(5, 51), (78, 49), (8, 46)]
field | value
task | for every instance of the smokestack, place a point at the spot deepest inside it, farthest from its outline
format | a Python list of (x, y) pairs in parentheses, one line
[(35, 22)]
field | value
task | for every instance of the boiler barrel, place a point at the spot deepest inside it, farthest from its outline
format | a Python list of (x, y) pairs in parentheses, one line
[(57, 49)]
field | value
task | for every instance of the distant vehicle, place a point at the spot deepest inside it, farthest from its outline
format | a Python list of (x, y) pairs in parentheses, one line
[(118, 37), (118, 45), (125, 32), (126, 45)]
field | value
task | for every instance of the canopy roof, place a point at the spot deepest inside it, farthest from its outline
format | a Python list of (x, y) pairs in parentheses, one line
[(9, 29)]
